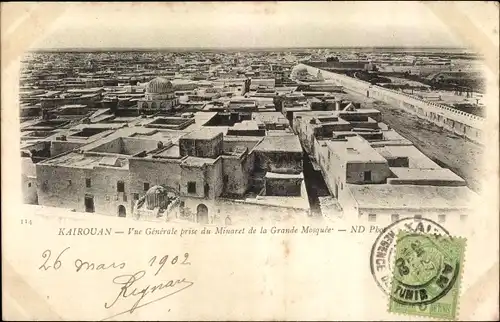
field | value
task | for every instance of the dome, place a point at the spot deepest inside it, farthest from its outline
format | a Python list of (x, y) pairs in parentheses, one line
[(156, 189), (159, 85), (156, 197)]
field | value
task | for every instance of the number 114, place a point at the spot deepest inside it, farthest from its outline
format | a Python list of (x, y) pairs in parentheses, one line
[(25, 221)]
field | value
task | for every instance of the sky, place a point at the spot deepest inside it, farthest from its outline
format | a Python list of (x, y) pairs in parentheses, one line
[(251, 24)]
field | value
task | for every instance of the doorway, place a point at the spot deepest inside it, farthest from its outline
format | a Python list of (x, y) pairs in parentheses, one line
[(367, 176), (202, 214), (122, 212), (89, 203)]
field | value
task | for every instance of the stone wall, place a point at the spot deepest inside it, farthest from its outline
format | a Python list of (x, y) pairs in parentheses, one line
[(280, 162), (241, 212), (58, 147), (154, 172), (467, 125), (236, 175), (61, 187)]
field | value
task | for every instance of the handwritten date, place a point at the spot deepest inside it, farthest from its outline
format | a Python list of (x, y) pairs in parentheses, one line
[(57, 263), (164, 260), (83, 265)]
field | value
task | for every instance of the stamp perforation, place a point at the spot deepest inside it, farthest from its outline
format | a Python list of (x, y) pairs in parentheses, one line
[(456, 297)]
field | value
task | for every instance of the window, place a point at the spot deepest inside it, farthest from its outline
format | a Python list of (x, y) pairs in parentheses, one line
[(124, 197), (441, 218), (146, 186), (29, 184), (136, 196), (418, 217), (394, 217), (191, 187), (372, 217), (88, 183), (207, 189), (120, 186), (69, 182), (367, 176)]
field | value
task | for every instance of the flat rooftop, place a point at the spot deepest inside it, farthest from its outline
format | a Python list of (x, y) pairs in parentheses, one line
[(279, 201), (443, 175), (269, 117), (387, 196), (284, 143), (123, 132), (200, 119), (204, 133), (314, 114), (274, 175), (355, 149), (71, 106), (128, 146), (416, 158), (80, 160), (246, 125), (171, 152), (196, 161), (391, 135), (161, 135)]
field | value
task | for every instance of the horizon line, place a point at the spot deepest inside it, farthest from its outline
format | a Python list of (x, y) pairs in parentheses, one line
[(241, 48)]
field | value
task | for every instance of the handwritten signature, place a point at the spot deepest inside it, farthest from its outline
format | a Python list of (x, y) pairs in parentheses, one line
[(129, 289), (129, 282)]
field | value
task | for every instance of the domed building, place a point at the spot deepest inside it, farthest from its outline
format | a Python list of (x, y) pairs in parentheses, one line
[(158, 202), (159, 96)]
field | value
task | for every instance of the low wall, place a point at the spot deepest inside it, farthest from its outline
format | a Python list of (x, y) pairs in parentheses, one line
[(464, 124)]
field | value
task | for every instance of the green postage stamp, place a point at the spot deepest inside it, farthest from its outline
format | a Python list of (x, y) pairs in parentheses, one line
[(426, 275)]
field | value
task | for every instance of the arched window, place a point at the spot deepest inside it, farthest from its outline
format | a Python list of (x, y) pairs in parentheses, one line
[(153, 105), (145, 105), (202, 214)]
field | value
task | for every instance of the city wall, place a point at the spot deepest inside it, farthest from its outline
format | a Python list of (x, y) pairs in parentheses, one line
[(461, 123)]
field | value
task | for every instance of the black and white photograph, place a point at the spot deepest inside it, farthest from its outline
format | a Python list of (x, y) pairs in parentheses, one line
[(358, 126)]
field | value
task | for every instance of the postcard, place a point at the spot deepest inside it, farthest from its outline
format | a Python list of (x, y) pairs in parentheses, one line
[(250, 161)]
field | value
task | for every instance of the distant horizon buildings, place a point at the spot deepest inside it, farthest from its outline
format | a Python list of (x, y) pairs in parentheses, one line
[(244, 48)]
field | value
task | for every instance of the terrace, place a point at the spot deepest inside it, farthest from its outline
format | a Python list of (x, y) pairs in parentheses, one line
[(127, 146), (37, 135), (88, 132), (171, 123), (45, 125)]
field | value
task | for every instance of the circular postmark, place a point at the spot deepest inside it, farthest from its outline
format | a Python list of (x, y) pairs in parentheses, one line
[(426, 268), (383, 249)]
